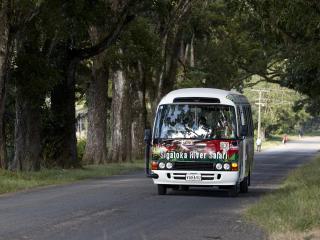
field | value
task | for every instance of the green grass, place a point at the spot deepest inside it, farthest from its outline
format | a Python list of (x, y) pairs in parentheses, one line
[(313, 133), (15, 181), (271, 141), (275, 140), (294, 207)]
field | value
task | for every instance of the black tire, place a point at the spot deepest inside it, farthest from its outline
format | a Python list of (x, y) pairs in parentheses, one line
[(184, 188), (244, 185), (162, 189), (234, 191)]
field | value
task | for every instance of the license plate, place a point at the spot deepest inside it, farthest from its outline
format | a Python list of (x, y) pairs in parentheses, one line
[(193, 177)]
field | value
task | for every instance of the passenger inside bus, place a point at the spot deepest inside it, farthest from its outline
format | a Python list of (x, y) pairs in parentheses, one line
[(202, 129), (224, 126)]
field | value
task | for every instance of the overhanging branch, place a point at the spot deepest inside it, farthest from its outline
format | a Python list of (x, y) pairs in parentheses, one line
[(264, 79), (124, 19)]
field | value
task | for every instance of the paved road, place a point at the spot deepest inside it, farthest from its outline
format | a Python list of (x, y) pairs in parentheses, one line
[(127, 207)]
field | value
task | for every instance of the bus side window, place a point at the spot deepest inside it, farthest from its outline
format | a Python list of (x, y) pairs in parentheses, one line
[(243, 118), (244, 122), (246, 110), (250, 122), (246, 119), (239, 120)]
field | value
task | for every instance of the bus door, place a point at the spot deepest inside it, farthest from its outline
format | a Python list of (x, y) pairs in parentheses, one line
[(246, 125), (249, 138), (243, 143)]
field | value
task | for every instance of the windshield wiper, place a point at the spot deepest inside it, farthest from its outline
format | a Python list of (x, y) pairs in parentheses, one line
[(165, 140)]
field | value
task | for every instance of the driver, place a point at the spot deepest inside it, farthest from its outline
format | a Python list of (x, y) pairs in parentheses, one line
[(203, 128), (167, 128)]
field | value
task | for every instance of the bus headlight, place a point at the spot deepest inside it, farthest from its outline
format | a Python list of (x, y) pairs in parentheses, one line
[(219, 166), (226, 166), (162, 165), (169, 165)]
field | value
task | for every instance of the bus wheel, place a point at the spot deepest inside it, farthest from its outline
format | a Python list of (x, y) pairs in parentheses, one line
[(162, 189), (234, 191), (184, 188), (244, 185)]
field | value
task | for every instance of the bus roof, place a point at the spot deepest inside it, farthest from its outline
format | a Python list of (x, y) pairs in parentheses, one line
[(225, 97)]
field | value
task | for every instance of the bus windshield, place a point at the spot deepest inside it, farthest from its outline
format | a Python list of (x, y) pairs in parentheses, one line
[(192, 121)]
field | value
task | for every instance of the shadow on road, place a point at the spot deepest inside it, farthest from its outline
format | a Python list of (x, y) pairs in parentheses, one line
[(217, 193)]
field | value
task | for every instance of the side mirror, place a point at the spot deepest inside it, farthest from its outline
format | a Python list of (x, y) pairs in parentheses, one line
[(244, 131), (147, 136)]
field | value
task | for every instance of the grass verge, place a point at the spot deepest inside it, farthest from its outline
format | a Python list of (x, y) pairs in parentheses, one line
[(293, 209), (276, 140), (15, 181)]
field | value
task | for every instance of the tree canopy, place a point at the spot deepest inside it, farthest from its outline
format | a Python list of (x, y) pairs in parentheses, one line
[(121, 57)]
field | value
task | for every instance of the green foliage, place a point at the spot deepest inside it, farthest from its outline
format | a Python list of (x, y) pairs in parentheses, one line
[(139, 43), (229, 46), (33, 74), (70, 20), (81, 145), (291, 28), (278, 113)]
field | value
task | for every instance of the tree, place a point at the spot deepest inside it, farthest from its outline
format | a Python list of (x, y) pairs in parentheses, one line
[(95, 151), (97, 99), (172, 17), (14, 18), (138, 77), (136, 59), (291, 28), (31, 84), (63, 95), (4, 57), (121, 118)]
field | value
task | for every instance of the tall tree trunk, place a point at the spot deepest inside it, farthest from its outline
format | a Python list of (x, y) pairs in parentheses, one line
[(169, 74), (139, 114), (63, 96), (186, 54), (4, 56), (165, 76), (63, 109), (27, 133), (121, 119), (170, 32), (97, 97), (192, 51)]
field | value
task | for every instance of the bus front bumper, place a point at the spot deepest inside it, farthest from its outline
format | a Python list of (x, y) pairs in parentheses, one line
[(208, 178)]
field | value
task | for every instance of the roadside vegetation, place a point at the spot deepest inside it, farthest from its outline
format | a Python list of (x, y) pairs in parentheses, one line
[(276, 140), (271, 141), (15, 181), (293, 209)]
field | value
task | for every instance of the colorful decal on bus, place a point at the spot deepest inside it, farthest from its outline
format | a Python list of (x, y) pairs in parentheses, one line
[(196, 150)]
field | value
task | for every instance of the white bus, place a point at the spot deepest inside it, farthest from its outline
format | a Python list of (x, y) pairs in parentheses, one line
[(201, 137)]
